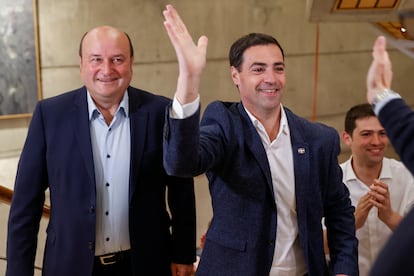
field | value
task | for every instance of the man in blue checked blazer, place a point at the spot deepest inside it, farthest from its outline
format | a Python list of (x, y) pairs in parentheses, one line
[(273, 176)]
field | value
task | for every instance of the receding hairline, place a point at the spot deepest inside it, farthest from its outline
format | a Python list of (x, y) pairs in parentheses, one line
[(96, 29)]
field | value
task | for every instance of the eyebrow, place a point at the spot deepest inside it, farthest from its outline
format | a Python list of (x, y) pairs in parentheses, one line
[(265, 64), (99, 55), (372, 130)]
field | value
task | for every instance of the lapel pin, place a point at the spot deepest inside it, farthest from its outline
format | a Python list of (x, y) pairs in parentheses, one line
[(301, 150)]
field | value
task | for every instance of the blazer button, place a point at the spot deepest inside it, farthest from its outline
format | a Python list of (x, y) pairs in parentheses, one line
[(92, 209), (91, 245)]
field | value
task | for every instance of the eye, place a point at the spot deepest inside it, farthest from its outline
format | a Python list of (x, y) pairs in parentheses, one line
[(258, 69), (280, 69), (95, 59), (117, 60)]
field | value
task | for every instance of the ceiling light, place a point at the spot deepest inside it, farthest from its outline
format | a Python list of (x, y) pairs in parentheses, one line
[(407, 20)]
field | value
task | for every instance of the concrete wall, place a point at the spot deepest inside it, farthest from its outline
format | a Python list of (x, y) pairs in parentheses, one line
[(343, 58)]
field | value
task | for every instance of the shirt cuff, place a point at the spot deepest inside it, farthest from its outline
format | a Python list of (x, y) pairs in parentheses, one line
[(179, 111), (384, 101)]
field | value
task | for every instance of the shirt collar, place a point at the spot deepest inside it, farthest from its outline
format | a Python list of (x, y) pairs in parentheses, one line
[(283, 127), (94, 111), (349, 173), (386, 169)]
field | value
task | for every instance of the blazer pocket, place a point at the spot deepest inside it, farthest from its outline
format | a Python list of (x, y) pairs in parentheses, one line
[(227, 240)]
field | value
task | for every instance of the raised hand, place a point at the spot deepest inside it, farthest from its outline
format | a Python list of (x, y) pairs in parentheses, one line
[(380, 72), (191, 57)]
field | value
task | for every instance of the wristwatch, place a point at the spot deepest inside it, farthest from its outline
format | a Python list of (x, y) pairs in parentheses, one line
[(382, 95)]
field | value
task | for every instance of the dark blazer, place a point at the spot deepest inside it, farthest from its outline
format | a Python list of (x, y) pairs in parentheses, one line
[(57, 155), (396, 258), (241, 237)]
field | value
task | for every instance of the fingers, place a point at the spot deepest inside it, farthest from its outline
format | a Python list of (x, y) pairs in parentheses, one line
[(381, 56), (379, 46), (380, 194), (362, 210), (202, 44), (380, 71), (379, 74), (364, 204), (173, 24), (178, 33), (173, 20), (182, 269), (379, 188)]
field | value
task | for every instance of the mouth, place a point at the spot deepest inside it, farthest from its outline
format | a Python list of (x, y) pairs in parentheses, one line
[(269, 90), (376, 150), (106, 80)]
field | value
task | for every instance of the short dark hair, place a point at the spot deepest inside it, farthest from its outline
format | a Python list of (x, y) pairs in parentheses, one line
[(357, 112), (131, 48), (247, 41)]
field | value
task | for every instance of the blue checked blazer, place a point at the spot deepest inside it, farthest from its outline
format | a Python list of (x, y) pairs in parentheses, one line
[(241, 237)]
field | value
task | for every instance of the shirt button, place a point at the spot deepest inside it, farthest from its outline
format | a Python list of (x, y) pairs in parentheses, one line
[(107, 239), (91, 245)]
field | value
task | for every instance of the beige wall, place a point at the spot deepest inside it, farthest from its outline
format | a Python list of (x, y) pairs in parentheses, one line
[(344, 56)]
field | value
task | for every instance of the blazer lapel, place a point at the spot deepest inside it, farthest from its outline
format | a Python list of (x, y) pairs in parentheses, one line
[(254, 143), (301, 167), (80, 121), (138, 124)]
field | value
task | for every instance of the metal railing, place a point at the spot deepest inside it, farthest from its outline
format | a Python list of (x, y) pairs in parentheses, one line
[(6, 196)]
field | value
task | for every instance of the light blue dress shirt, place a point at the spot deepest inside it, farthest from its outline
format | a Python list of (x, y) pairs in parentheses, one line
[(111, 146)]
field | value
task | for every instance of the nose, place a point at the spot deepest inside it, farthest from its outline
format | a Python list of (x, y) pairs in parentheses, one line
[(106, 67), (376, 139), (270, 76)]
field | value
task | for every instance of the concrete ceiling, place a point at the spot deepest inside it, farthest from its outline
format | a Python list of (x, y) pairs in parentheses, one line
[(384, 15)]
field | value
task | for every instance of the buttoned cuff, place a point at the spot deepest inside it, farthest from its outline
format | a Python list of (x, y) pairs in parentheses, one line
[(179, 111), (384, 101)]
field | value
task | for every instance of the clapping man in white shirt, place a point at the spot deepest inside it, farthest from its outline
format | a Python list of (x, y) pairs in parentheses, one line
[(381, 189)]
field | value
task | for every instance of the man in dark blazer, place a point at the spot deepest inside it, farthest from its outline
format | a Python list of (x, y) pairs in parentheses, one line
[(396, 257), (272, 175), (98, 150)]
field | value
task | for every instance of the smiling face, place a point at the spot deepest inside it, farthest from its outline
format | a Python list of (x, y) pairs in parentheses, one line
[(368, 141), (261, 80), (106, 64)]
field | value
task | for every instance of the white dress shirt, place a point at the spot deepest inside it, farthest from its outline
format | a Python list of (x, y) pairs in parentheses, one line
[(288, 259), (111, 146), (374, 233)]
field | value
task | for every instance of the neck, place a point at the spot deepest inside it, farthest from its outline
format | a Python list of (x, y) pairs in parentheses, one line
[(366, 173), (271, 122), (108, 107)]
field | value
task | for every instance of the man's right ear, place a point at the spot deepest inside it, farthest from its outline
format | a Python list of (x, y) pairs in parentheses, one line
[(346, 138), (235, 75)]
